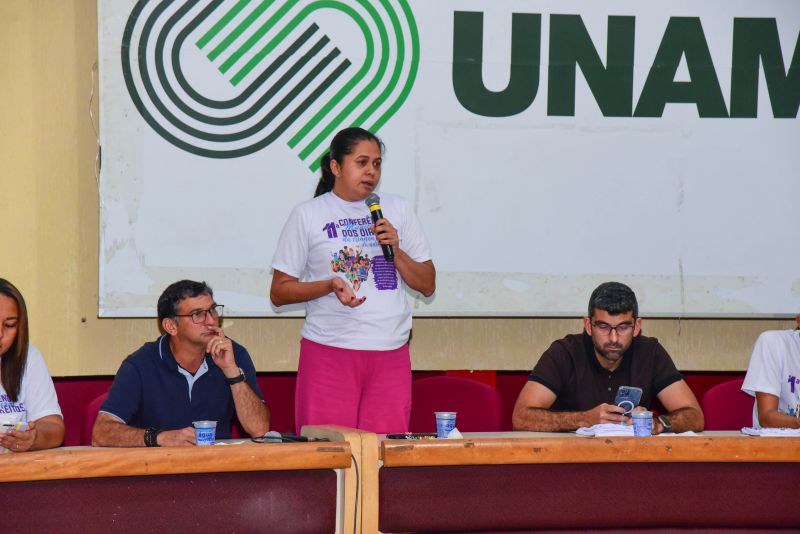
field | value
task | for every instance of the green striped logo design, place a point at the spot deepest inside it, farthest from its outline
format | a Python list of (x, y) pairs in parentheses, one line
[(226, 78)]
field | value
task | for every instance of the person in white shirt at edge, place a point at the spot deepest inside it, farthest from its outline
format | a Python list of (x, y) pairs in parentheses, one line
[(355, 366), (26, 392), (773, 378)]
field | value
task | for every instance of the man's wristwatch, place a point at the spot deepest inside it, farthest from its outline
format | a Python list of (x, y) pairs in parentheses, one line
[(151, 437), (665, 423), (235, 379)]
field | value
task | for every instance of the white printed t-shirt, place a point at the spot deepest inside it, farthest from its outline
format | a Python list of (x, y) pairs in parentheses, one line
[(775, 369), (37, 395), (326, 237)]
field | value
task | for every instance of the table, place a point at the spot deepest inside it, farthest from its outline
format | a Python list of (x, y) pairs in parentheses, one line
[(243, 488), (526, 480), (359, 490)]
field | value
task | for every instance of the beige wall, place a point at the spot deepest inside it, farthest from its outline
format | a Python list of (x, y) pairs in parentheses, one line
[(49, 240)]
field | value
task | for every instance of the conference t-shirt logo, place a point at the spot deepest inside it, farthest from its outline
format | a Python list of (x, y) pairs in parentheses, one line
[(351, 260)]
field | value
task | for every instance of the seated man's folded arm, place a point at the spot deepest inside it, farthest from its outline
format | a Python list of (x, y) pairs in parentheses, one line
[(253, 414), (110, 431), (683, 410), (532, 411)]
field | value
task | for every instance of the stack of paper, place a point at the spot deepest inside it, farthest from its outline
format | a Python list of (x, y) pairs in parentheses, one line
[(606, 429), (772, 432)]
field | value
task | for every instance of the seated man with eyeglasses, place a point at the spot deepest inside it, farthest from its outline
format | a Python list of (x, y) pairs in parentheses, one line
[(191, 373), (575, 381)]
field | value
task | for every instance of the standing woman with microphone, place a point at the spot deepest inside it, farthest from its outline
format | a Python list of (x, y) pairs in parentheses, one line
[(355, 366)]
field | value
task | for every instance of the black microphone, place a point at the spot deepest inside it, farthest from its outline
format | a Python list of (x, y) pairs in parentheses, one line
[(373, 202), (287, 437)]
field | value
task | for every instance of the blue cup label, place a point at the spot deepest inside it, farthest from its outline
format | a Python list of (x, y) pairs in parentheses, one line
[(642, 426), (444, 426), (204, 436)]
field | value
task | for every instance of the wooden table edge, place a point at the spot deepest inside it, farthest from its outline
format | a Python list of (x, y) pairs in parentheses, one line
[(571, 450), (100, 462)]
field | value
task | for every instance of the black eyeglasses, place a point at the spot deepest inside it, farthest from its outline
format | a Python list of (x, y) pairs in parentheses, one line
[(199, 316), (606, 329)]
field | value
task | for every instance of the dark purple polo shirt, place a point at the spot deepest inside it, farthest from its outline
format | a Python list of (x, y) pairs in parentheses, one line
[(570, 369)]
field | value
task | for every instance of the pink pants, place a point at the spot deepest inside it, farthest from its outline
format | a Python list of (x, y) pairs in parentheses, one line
[(365, 389)]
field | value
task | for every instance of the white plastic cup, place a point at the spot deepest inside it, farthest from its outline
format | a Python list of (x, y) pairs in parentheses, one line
[(642, 423), (445, 422), (204, 432)]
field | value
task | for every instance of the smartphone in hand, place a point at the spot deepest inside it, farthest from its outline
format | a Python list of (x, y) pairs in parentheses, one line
[(22, 426), (628, 398)]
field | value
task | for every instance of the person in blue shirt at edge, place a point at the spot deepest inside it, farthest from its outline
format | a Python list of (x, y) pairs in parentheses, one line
[(575, 381), (191, 373)]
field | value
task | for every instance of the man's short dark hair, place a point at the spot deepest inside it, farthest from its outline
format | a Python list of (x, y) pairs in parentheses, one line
[(614, 298), (176, 292)]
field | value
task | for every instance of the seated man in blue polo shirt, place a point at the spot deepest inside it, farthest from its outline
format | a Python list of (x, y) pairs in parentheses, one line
[(575, 381), (191, 373)]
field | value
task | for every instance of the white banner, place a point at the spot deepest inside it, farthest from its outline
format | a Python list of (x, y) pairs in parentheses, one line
[(546, 146)]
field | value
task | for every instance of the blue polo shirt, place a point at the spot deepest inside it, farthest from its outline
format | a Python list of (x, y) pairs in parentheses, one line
[(150, 391)]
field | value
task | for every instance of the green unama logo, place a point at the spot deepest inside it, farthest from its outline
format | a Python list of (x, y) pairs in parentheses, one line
[(756, 47), (224, 79)]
